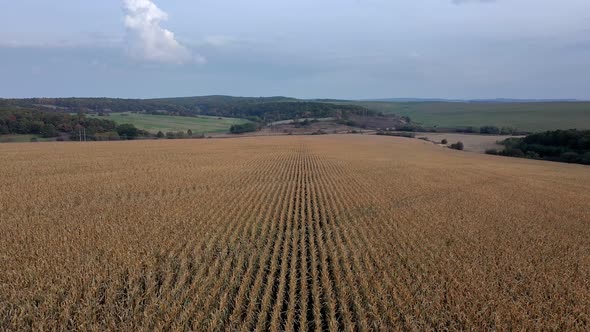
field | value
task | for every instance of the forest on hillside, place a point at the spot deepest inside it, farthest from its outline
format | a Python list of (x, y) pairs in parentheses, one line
[(255, 109), (61, 125)]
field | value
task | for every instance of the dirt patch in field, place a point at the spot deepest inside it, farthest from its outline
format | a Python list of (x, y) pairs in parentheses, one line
[(472, 142)]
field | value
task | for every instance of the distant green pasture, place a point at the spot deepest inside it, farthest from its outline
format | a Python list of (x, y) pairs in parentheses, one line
[(523, 116), (166, 123)]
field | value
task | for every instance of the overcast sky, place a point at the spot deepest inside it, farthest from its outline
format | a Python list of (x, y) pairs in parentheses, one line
[(299, 48)]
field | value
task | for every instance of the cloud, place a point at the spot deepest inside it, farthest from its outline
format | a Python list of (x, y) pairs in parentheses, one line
[(219, 40), (87, 40), (459, 2), (149, 40)]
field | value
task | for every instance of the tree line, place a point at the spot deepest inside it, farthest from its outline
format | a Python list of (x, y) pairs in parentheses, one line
[(571, 146), (277, 111), (62, 126), (244, 128), (262, 110)]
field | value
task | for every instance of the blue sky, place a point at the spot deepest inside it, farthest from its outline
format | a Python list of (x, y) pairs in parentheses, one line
[(303, 48)]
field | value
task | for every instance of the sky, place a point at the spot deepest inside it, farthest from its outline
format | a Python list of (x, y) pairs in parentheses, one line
[(349, 49)]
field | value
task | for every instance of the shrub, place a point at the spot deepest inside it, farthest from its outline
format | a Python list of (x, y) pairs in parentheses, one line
[(510, 142), (444, 141), (492, 151), (458, 146), (513, 152), (409, 128), (544, 150), (48, 131), (347, 122), (398, 134), (243, 128), (490, 130), (507, 131), (570, 157), (127, 130), (469, 130), (160, 134), (108, 136)]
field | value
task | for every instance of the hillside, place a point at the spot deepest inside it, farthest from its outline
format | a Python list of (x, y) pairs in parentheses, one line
[(529, 116), (522, 116), (258, 109)]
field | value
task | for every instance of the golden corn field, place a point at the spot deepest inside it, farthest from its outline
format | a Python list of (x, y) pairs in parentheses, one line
[(338, 233)]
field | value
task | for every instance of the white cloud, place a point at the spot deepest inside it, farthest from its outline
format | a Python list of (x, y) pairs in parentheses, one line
[(149, 40), (458, 2), (219, 40)]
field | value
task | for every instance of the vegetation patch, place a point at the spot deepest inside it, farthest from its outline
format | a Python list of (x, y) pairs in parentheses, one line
[(244, 128), (570, 146), (397, 134), (169, 123), (457, 146), (51, 124)]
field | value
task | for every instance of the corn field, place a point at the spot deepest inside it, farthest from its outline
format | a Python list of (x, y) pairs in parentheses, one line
[(327, 233)]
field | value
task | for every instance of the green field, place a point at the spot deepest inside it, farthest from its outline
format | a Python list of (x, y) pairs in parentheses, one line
[(22, 138), (166, 123), (522, 116)]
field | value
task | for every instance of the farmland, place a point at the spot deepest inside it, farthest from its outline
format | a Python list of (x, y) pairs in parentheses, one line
[(472, 142), (169, 123), (532, 117), (290, 233), (19, 138)]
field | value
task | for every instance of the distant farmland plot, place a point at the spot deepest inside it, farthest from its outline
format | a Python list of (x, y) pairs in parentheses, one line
[(472, 142), (291, 233), (19, 138), (166, 123), (523, 116)]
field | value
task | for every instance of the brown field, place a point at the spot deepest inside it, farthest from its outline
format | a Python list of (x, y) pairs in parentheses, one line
[(290, 233)]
